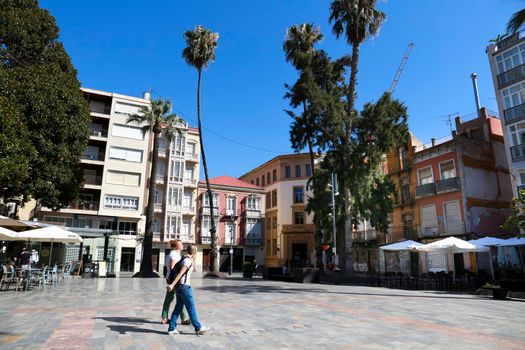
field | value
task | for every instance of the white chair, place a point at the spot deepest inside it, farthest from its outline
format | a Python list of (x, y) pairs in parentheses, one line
[(8, 277)]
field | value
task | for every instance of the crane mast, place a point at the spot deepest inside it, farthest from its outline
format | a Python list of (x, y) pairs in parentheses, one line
[(400, 68)]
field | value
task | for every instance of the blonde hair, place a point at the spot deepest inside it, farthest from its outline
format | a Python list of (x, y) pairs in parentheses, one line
[(174, 242), (191, 249)]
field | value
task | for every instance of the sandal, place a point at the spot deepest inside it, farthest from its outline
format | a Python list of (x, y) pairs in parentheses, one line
[(165, 321)]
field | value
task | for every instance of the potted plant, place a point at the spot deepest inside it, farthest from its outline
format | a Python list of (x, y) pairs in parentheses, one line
[(247, 270), (498, 292)]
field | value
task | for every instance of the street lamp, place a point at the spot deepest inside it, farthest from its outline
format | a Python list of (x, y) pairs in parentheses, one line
[(334, 193), (232, 218)]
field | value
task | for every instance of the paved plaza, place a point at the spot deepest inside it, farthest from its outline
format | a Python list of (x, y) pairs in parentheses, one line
[(124, 313)]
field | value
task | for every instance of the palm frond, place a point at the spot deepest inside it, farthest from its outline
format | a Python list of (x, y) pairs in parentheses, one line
[(200, 49), (516, 22)]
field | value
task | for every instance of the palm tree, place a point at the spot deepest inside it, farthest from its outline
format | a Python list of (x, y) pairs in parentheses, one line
[(516, 22), (200, 51), (356, 20), (153, 120), (298, 46)]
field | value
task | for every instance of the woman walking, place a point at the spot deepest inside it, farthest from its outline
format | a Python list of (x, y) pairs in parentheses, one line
[(172, 259), (182, 287)]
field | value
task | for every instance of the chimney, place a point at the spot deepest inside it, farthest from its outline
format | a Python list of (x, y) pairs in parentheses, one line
[(474, 76), (146, 95), (433, 140)]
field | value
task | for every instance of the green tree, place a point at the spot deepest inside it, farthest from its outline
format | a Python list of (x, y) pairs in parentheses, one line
[(39, 81), (199, 53), (516, 222), (153, 120), (516, 22), (298, 47), (356, 21)]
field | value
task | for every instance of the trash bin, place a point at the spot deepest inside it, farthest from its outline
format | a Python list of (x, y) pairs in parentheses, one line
[(102, 268)]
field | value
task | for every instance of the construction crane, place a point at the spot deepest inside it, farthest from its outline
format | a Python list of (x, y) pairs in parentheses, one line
[(400, 68)]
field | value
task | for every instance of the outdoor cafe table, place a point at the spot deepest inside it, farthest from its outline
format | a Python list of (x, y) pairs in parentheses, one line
[(24, 273)]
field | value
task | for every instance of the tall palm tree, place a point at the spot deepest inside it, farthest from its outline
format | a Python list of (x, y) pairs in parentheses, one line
[(199, 52), (298, 44), (516, 22), (153, 120), (356, 20)]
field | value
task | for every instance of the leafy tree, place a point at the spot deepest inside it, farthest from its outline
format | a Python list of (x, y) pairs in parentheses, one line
[(199, 52), (516, 222), (41, 93), (516, 22), (153, 120), (356, 21)]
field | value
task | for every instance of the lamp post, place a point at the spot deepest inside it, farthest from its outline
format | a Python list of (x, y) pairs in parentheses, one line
[(334, 193), (232, 218)]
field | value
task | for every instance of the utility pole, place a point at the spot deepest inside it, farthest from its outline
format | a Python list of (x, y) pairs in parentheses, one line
[(334, 193), (232, 217)]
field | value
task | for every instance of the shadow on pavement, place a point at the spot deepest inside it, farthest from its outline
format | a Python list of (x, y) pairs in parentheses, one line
[(125, 319), (132, 329)]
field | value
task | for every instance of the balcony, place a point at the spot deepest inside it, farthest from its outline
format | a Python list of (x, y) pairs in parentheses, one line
[(190, 182), (512, 76), (84, 205), (230, 212), (188, 209), (160, 178), (396, 167), (94, 156), (163, 152), (365, 236), (299, 228), (402, 233), (173, 207), (186, 238), (517, 153), (441, 229), (514, 114), (156, 237), (405, 200), (158, 207), (426, 190), (98, 133), (92, 180), (192, 157), (99, 107), (448, 185), (252, 240), (206, 211), (205, 239), (252, 213)]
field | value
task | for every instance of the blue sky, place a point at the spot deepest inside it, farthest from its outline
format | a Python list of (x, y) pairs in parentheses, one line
[(130, 47)]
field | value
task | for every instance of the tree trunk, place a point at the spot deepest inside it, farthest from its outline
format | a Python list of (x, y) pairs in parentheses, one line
[(213, 230), (310, 147), (146, 267)]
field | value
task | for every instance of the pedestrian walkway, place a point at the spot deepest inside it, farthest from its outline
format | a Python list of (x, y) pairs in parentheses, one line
[(124, 313)]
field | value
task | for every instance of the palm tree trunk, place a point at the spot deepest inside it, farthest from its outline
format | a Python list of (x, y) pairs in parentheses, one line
[(310, 147), (146, 267), (213, 254)]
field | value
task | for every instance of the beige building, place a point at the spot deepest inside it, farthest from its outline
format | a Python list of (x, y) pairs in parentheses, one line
[(288, 229)]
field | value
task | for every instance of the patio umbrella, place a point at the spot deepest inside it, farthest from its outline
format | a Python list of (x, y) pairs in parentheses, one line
[(14, 225), (7, 235), (50, 234), (399, 246), (515, 242), (452, 245), (488, 242)]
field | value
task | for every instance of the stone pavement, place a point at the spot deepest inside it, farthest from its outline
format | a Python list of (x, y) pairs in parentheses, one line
[(124, 313)]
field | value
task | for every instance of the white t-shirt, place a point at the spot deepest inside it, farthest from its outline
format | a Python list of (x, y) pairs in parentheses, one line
[(188, 262), (173, 256)]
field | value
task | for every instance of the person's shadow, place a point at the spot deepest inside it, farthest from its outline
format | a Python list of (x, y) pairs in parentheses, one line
[(123, 329)]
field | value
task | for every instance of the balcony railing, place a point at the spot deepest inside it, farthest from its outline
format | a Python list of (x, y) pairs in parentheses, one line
[(98, 133), (92, 180), (186, 238), (298, 228), (205, 239), (402, 233), (84, 205), (426, 190), (517, 153), (99, 107), (511, 76), (230, 212), (252, 213), (448, 185), (206, 211), (192, 157), (163, 152), (94, 156), (365, 236), (188, 209), (442, 229), (156, 236), (157, 206), (405, 200), (190, 182), (160, 178), (514, 114)]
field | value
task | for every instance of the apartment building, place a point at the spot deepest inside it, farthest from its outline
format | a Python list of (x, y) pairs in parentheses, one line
[(113, 198), (507, 65), (288, 229), (238, 212), (176, 192)]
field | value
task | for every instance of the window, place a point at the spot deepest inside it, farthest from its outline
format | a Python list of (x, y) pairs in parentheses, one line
[(287, 172), (510, 59), (517, 134), (173, 223), (274, 222), (229, 235), (252, 182), (253, 228), (205, 226), (263, 182), (298, 217), (268, 200), (428, 220), (188, 200), (127, 131), (161, 169), (447, 170), (298, 195), (452, 217), (190, 148), (126, 108), (274, 175), (178, 145), (257, 181), (174, 196), (274, 198), (425, 176), (108, 224), (297, 171), (127, 154), (268, 178), (513, 96), (253, 203), (158, 197), (59, 220), (308, 170), (188, 173), (122, 178), (121, 202), (206, 201), (162, 144), (231, 204), (127, 228), (176, 171), (156, 225), (186, 230)]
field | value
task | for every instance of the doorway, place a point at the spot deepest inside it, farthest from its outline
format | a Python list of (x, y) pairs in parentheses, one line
[(155, 252), (206, 259), (127, 259), (299, 255)]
